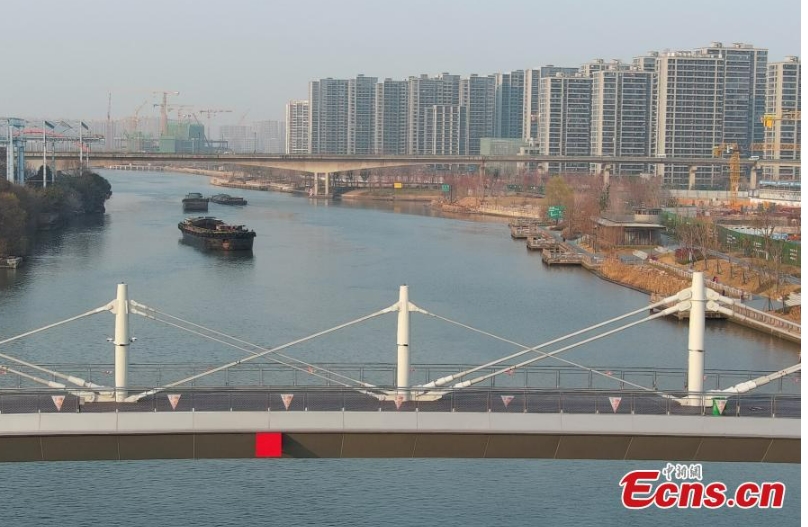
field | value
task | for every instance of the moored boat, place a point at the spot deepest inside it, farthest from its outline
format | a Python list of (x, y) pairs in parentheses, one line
[(213, 233), (194, 201), (227, 199)]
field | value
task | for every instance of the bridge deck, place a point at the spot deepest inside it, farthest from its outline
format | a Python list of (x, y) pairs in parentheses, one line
[(344, 423)]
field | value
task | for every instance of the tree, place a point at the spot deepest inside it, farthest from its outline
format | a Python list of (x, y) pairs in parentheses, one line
[(93, 190), (558, 193), (13, 221)]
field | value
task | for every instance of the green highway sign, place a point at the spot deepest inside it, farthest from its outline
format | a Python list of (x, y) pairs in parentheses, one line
[(555, 212), (445, 188)]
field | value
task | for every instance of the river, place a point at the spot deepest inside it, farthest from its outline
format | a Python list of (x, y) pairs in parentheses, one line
[(316, 265)]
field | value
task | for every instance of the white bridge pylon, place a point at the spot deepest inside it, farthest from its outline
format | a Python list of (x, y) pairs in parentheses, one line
[(695, 299)]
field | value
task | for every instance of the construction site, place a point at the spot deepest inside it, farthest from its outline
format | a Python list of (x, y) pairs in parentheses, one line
[(163, 123)]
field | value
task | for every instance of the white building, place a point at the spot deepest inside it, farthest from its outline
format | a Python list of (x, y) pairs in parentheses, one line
[(532, 96), (688, 115), (621, 117), (297, 127), (564, 120), (783, 99)]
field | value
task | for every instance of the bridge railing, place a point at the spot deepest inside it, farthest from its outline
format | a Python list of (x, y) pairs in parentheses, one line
[(303, 399), (383, 374)]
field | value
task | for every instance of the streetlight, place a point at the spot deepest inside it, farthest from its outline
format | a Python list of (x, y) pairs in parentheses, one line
[(82, 127)]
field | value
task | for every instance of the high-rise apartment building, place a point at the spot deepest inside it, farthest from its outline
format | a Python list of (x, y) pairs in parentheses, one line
[(362, 115), (783, 103), (645, 62), (297, 127), (510, 94), (532, 96), (261, 137), (270, 136), (478, 97), (424, 93), (342, 116), (328, 116), (621, 116), (744, 92), (687, 116), (565, 111), (391, 117), (590, 68), (445, 129)]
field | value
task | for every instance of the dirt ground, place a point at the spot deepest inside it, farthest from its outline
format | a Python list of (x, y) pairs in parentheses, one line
[(737, 276)]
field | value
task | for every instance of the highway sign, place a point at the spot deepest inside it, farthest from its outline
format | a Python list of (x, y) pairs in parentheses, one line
[(555, 212)]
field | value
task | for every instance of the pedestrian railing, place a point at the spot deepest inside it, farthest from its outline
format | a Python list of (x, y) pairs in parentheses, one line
[(312, 399), (269, 375), (725, 290)]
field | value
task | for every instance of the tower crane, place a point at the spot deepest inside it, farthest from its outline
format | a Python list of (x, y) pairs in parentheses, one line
[(211, 112), (769, 119), (135, 120), (734, 168), (180, 109), (164, 109)]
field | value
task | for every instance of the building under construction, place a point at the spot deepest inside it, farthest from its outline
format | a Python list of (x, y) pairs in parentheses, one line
[(180, 138)]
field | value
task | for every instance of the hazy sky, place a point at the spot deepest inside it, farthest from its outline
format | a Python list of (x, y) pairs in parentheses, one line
[(62, 58)]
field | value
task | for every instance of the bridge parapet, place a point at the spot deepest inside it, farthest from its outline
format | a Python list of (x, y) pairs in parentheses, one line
[(269, 375), (313, 399)]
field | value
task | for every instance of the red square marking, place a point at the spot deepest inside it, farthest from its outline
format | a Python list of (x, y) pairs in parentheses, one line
[(268, 444)]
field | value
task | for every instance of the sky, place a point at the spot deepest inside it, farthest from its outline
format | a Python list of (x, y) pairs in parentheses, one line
[(63, 59)]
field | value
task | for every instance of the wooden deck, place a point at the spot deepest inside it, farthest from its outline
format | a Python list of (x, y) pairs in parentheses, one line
[(540, 242), (561, 256), (519, 232)]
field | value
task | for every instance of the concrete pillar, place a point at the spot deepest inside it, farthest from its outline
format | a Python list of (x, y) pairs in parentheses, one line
[(695, 341), (327, 183), (691, 182), (403, 340), (121, 342), (316, 185)]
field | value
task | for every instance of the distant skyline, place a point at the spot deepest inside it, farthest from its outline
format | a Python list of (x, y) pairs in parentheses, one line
[(62, 59)]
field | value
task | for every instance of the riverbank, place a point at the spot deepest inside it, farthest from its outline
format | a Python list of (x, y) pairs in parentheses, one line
[(27, 209), (652, 279), (389, 194)]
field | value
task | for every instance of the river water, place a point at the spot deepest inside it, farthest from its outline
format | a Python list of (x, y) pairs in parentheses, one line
[(316, 265)]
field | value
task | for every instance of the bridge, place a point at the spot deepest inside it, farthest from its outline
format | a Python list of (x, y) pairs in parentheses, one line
[(507, 407), (325, 163), (323, 166), (329, 163)]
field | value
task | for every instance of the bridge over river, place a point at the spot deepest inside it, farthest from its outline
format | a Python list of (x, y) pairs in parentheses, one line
[(508, 407)]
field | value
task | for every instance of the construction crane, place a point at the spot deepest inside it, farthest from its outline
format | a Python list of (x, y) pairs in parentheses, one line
[(210, 113), (180, 109), (135, 120), (164, 109), (769, 119), (734, 168)]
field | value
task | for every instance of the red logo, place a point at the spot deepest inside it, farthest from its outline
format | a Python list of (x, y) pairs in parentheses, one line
[(643, 488)]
